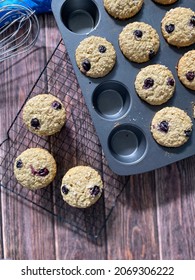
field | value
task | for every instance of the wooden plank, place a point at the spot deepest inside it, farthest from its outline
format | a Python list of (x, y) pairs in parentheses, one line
[(27, 231), (132, 230), (176, 210)]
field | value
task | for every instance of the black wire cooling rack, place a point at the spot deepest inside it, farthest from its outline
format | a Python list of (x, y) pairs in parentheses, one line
[(76, 144)]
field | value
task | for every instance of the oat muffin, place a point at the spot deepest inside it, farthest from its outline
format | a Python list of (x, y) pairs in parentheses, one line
[(165, 2), (35, 168), (81, 186), (95, 56), (186, 69), (155, 84), (139, 42), (123, 9), (171, 127), (178, 27), (44, 114)]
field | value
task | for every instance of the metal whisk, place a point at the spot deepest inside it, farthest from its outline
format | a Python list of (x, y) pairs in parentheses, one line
[(20, 33)]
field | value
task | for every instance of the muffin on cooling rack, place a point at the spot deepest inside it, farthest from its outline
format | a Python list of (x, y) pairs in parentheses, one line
[(81, 186), (35, 168), (44, 114)]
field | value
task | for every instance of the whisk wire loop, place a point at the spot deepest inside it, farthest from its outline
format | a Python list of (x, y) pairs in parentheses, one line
[(20, 33)]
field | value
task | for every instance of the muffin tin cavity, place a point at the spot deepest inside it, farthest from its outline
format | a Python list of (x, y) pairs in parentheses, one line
[(127, 143), (111, 99), (121, 118), (80, 17)]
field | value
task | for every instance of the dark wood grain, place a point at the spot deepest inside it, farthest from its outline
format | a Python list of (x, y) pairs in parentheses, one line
[(134, 233), (175, 201)]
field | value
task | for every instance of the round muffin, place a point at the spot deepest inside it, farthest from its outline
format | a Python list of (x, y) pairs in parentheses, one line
[(178, 27), (139, 42), (165, 2), (44, 114), (186, 69), (81, 186), (123, 9), (155, 84), (35, 168), (95, 56), (171, 127)]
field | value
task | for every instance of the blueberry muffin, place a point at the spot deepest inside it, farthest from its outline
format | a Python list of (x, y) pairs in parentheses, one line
[(81, 186), (178, 27), (171, 127), (155, 84), (35, 168), (123, 9), (186, 69), (165, 2), (44, 114), (139, 42), (95, 56)]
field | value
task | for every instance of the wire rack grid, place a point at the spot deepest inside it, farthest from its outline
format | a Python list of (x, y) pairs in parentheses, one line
[(76, 144)]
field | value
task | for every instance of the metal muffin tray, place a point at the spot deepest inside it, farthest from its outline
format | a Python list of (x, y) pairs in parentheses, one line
[(121, 119)]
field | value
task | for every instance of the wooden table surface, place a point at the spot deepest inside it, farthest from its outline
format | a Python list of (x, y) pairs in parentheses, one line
[(154, 217)]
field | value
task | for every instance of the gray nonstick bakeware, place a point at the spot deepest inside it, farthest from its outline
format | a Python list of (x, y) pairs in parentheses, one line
[(121, 119)]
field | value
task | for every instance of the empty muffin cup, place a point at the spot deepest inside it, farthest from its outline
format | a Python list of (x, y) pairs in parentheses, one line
[(111, 99), (80, 17), (127, 143)]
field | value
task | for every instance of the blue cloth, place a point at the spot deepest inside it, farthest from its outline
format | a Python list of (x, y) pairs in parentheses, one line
[(39, 6)]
